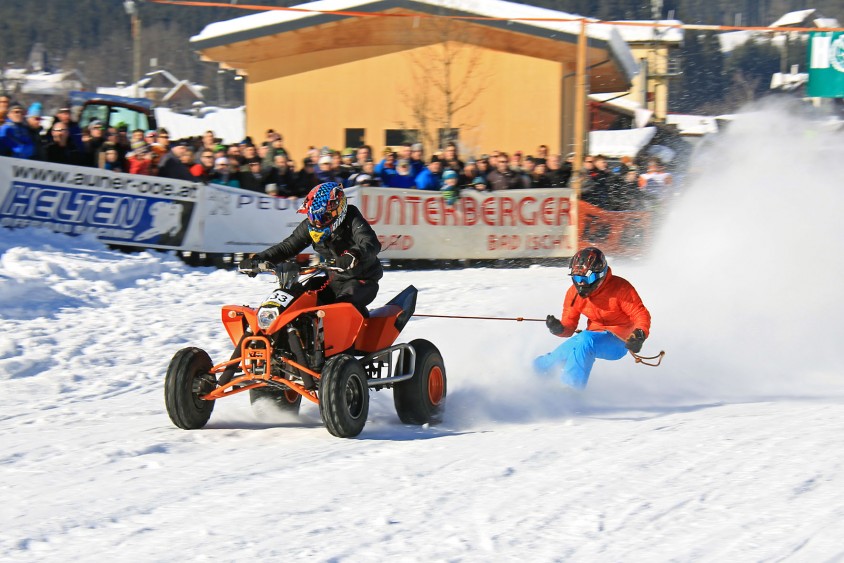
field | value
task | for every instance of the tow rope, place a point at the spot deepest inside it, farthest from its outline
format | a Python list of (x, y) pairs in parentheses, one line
[(518, 319), (644, 360)]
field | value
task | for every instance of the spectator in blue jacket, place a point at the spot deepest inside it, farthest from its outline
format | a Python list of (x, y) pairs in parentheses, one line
[(417, 159), (387, 166), (402, 178), (431, 177), (15, 137)]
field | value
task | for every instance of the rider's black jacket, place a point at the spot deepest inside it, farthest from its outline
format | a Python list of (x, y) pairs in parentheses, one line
[(353, 235)]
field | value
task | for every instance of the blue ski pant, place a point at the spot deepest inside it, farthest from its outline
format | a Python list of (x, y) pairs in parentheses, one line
[(577, 355)]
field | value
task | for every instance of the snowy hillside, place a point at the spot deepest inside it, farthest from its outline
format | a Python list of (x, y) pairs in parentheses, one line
[(730, 451)]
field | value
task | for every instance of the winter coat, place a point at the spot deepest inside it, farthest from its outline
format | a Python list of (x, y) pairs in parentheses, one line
[(614, 306), (400, 181), (354, 234), (67, 154), (226, 178), (596, 187), (138, 165), (427, 180), (508, 180), (16, 140), (171, 167)]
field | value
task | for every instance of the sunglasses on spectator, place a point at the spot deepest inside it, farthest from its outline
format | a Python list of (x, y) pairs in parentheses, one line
[(59, 130)]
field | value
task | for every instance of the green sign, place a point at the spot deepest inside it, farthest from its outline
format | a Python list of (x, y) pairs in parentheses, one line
[(826, 64)]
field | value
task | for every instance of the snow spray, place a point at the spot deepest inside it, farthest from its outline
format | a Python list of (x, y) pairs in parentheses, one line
[(744, 281)]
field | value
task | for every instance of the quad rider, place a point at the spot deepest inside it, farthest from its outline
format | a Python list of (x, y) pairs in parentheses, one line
[(617, 320), (340, 234)]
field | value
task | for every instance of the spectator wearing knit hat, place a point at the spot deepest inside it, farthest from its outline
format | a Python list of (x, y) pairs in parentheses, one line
[(431, 177), (33, 122), (94, 142), (402, 178), (224, 174), (137, 158), (325, 172)]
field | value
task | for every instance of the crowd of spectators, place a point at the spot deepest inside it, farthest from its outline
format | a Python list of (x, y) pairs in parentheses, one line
[(265, 166)]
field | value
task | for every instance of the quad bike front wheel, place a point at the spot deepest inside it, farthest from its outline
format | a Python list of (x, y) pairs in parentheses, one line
[(287, 401), (421, 399), (343, 396), (189, 378)]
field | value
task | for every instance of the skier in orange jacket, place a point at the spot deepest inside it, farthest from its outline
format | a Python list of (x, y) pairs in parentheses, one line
[(617, 320)]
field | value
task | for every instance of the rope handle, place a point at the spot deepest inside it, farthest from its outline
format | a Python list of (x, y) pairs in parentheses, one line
[(644, 359)]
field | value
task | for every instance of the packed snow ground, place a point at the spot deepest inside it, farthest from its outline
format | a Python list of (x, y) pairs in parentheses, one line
[(732, 450)]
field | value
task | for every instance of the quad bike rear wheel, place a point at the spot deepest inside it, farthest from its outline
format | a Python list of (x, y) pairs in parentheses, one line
[(343, 396), (421, 399), (188, 378), (287, 401)]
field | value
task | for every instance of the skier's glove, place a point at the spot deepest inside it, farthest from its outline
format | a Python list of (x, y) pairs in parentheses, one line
[(554, 325), (347, 260), (635, 340)]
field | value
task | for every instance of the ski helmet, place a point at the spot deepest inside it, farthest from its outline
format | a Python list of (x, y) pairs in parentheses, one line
[(588, 270), (326, 207)]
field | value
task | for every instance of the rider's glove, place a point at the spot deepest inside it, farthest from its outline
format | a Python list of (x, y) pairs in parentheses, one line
[(554, 325), (635, 340), (347, 260), (249, 266)]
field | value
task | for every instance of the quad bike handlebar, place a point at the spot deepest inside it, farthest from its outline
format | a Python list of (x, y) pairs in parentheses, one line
[(287, 271)]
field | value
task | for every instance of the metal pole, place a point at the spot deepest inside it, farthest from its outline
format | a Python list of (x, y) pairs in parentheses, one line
[(579, 107), (136, 50)]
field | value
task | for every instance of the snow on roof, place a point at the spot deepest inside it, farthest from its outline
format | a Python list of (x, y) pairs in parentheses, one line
[(634, 34), (692, 124), (826, 22), (733, 39), (622, 142), (228, 124), (793, 18), (620, 100), (195, 90), (486, 8)]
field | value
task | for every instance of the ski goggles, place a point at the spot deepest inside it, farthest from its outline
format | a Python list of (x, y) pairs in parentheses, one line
[(592, 277), (322, 218)]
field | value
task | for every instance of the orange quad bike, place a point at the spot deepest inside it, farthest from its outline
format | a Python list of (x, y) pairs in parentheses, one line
[(290, 347)]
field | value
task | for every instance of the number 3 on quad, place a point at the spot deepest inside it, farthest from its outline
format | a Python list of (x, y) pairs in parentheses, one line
[(290, 348)]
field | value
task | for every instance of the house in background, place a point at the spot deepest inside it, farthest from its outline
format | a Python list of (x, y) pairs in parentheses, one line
[(39, 81), (163, 89), (345, 79)]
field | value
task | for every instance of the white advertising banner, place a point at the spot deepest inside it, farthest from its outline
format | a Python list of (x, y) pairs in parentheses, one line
[(236, 220), (154, 212), (117, 208), (415, 224)]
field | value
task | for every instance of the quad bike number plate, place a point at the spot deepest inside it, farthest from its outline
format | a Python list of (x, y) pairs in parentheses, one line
[(279, 298)]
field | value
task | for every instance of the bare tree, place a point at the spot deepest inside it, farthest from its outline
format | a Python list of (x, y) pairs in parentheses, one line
[(441, 92)]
